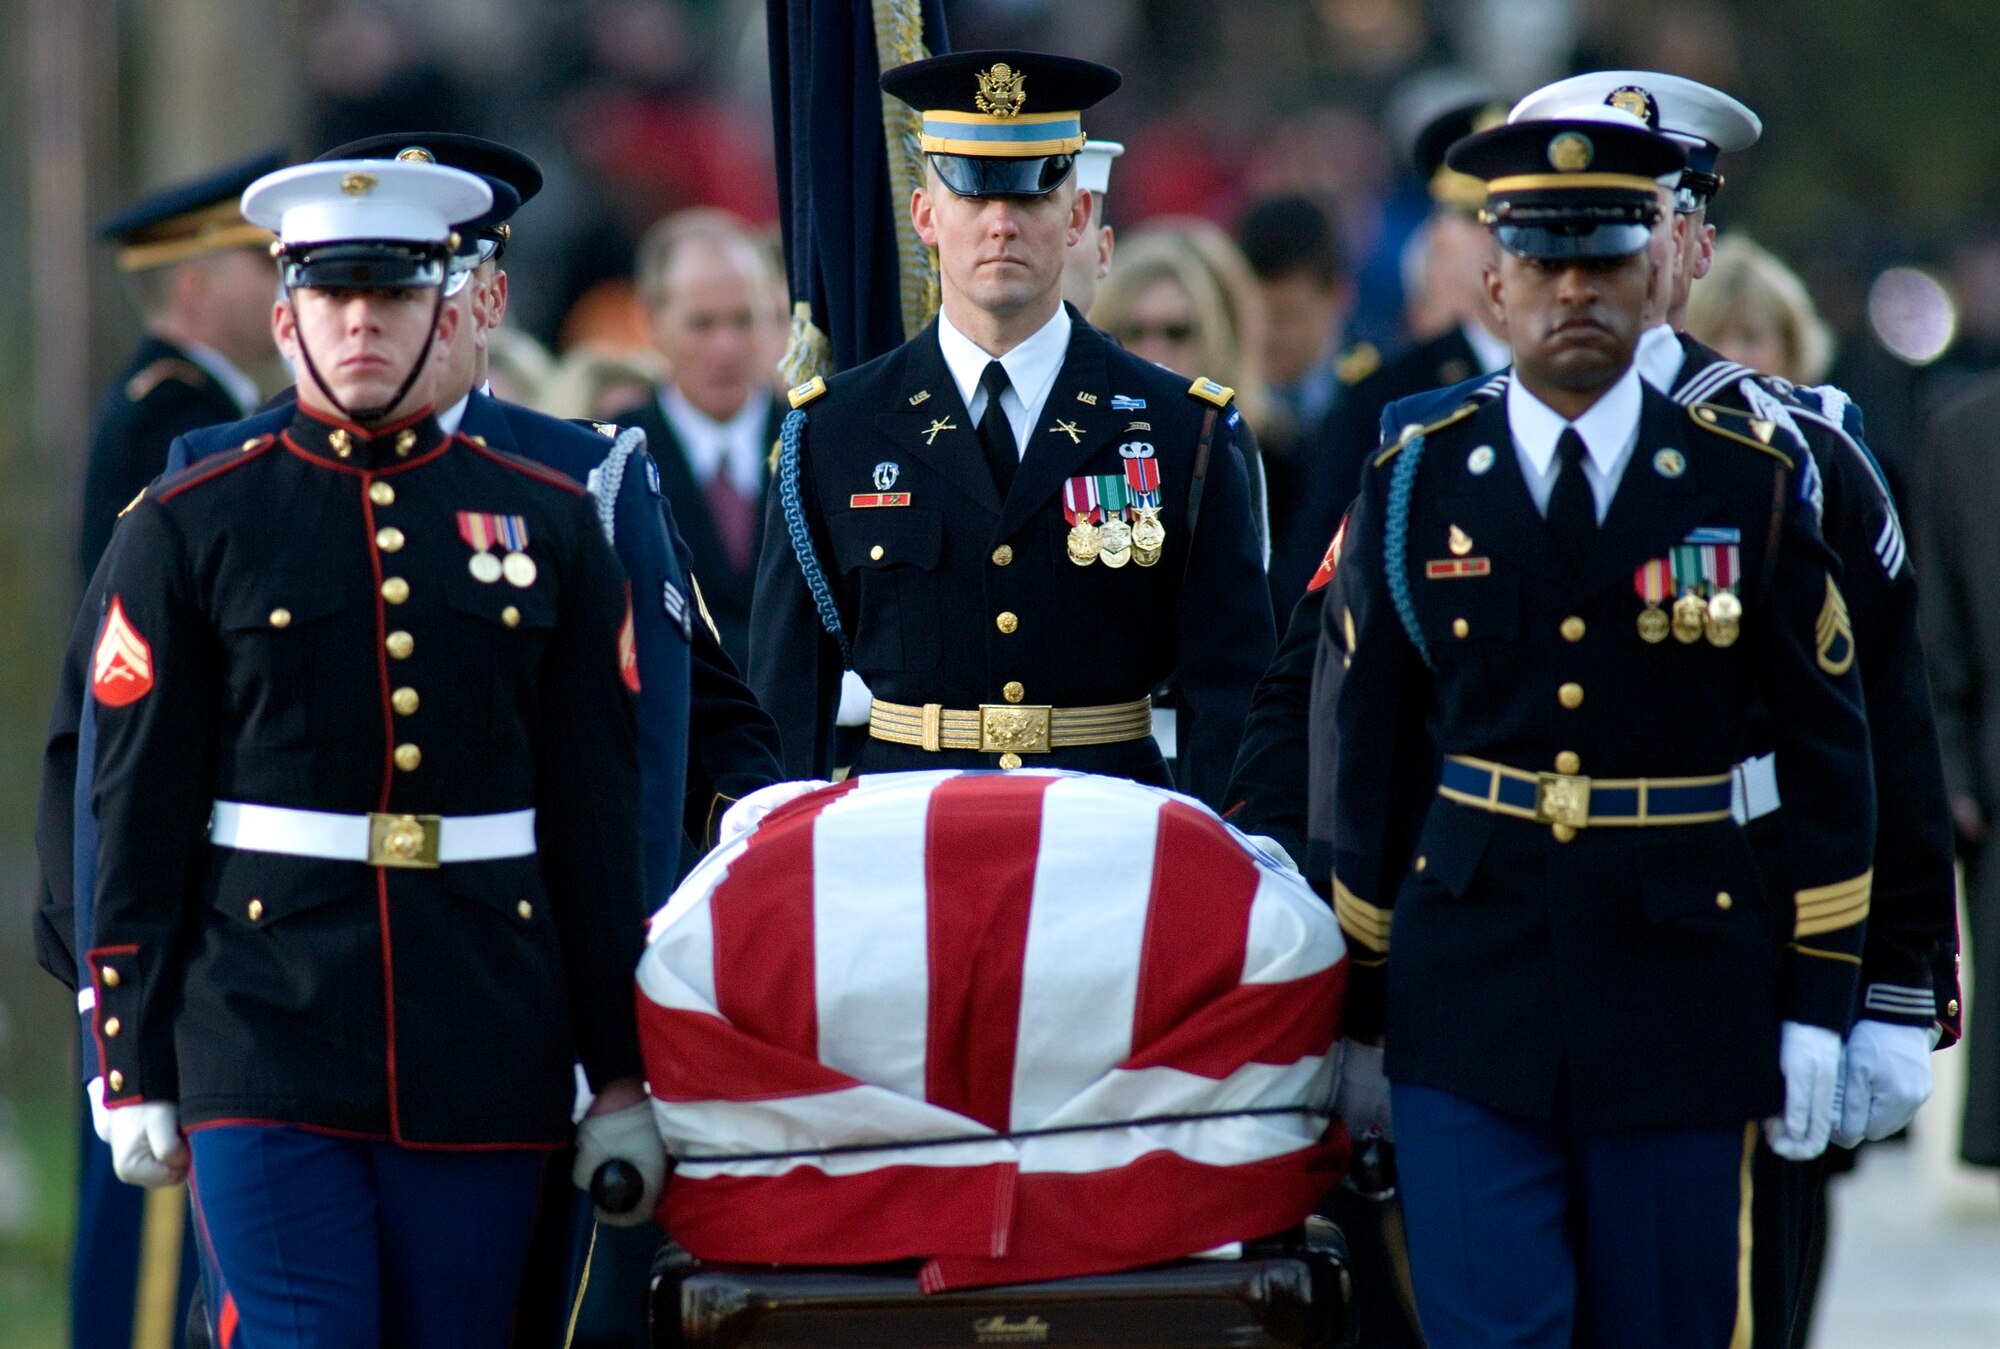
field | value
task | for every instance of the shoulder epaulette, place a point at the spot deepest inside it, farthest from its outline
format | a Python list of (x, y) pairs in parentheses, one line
[(1209, 391), (806, 392), (1357, 363), (1412, 431), (159, 372), (1742, 427), (528, 468), (206, 470), (133, 502)]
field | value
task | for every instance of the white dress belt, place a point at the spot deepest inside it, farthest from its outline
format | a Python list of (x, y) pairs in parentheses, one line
[(1754, 792), (346, 838)]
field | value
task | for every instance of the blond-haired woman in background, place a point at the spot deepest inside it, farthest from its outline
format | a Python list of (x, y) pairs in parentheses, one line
[(1754, 309), (1181, 295)]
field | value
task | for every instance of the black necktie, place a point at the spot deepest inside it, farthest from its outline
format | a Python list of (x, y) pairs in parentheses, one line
[(1572, 509), (996, 437)]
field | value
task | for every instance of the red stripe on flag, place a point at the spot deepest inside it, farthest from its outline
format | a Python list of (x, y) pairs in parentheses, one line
[(1159, 1207), (981, 844), (1252, 1023), (763, 922), (692, 1056), (1196, 924)]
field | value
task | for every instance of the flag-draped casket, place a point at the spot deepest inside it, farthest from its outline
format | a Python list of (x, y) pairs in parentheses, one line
[(1120, 1016)]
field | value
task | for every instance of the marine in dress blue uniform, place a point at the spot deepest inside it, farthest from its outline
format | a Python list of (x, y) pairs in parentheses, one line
[(265, 948), (1590, 989), (1012, 592)]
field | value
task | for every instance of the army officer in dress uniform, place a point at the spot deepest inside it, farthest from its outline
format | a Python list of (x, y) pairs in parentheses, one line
[(1009, 527), (1568, 604), (370, 877)]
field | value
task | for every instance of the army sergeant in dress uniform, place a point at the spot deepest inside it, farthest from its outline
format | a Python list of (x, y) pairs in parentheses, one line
[(365, 703), (201, 277), (1568, 605), (1009, 527)]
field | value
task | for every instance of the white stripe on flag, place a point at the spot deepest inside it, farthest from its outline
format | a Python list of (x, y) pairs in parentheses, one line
[(870, 915), (866, 1115), (1082, 936), (1284, 941)]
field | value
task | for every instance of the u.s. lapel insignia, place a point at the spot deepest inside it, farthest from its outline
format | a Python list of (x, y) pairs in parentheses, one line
[(941, 424), (1480, 460), (1070, 429), (885, 475), (1087, 399), (1458, 541), (919, 396), (1669, 463)]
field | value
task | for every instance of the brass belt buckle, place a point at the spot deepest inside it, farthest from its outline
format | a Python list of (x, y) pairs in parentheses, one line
[(1005, 728), (1563, 800), (409, 841)]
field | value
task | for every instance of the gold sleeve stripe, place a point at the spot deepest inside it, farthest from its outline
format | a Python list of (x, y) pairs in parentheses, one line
[(1366, 924), (1840, 892), (1825, 955), (1831, 922)]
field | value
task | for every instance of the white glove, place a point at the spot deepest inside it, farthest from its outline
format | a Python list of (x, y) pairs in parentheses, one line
[(627, 1135), (1809, 1056), (1888, 1075), (743, 816), (146, 1144), (1273, 851), (1361, 1095), (100, 1118)]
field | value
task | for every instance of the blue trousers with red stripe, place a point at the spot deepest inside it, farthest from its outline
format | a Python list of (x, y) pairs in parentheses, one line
[(1526, 1236), (333, 1243)]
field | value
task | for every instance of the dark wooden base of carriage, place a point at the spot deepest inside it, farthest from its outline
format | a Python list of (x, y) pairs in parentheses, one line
[(1292, 1291)]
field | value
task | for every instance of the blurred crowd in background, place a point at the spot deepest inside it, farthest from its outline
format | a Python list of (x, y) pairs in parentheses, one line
[(1271, 232)]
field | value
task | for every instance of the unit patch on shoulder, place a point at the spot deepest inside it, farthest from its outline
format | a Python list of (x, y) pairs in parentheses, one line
[(1331, 562), (628, 647), (122, 669)]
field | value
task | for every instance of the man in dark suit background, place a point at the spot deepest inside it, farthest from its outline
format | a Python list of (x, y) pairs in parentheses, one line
[(200, 278), (706, 286)]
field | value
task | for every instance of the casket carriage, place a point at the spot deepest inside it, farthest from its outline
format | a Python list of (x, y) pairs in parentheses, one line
[(965, 1058)]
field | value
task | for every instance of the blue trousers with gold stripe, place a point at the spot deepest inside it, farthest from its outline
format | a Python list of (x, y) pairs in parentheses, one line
[(133, 1266), (1527, 1236)]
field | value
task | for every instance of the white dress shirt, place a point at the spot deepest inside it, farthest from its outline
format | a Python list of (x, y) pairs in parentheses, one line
[(450, 419), (1659, 357), (1031, 372), (1610, 431), (735, 446), (223, 371)]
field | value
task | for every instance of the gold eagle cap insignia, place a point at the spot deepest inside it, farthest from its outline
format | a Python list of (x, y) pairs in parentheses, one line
[(357, 184), (1001, 92), (1631, 98)]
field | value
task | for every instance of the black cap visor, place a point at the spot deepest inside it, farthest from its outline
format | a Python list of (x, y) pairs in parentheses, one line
[(365, 266), (983, 176), (1559, 226)]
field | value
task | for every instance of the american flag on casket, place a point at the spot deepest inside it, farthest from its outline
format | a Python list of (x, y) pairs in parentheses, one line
[(1011, 960)]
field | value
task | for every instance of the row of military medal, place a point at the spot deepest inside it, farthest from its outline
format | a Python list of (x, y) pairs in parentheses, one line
[(482, 532), (1114, 518), (1704, 571)]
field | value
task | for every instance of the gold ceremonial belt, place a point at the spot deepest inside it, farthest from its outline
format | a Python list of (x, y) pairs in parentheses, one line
[(1009, 728), (1571, 802)]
